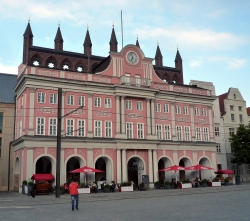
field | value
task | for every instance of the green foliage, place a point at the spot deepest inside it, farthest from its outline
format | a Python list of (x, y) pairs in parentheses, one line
[(25, 182), (240, 145), (126, 184), (226, 180), (215, 179), (30, 183), (83, 185), (185, 181), (204, 181), (106, 186), (167, 183), (142, 184), (237, 175), (157, 183)]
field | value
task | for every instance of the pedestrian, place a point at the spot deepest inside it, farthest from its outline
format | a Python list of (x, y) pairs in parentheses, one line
[(73, 191), (33, 189)]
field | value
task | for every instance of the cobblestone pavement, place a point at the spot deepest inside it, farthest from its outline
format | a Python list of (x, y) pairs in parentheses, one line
[(229, 203)]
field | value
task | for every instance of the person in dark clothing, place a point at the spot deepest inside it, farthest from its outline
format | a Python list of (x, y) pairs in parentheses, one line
[(33, 190)]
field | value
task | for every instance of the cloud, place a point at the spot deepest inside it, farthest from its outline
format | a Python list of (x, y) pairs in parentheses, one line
[(231, 62), (8, 69), (217, 13), (47, 38), (195, 63)]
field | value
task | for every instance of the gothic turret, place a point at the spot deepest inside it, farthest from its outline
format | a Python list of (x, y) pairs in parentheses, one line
[(178, 60), (158, 56), (87, 44), (137, 43), (27, 42), (113, 41), (58, 40)]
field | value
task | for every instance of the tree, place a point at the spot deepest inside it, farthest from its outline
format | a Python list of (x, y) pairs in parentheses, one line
[(240, 144)]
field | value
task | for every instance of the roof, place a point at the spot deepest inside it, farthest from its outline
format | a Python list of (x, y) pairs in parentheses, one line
[(158, 52), (113, 39), (28, 31), (222, 97), (46, 176), (7, 84), (248, 111), (58, 35), (137, 43), (178, 56), (87, 41)]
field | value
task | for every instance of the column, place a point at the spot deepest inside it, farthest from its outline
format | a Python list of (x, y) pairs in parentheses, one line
[(30, 166), (118, 166), (90, 157), (123, 114), (63, 112), (173, 120), (31, 111), (90, 120), (124, 166), (118, 124), (192, 122), (150, 168), (153, 116), (155, 163), (211, 130), (149, 132), (63, 169), (195, 157)]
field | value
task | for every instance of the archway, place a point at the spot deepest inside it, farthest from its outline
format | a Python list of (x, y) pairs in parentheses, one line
[(72, 164), (163, 163), (43, 165), (104, 164), (184, 162), (16, 174), (135, 170), (205, 174)]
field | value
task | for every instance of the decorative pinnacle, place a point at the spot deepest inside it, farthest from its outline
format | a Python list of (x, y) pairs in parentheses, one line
[(177, 47), (157, 42), (137, 37), (59, 24), (87, 27), (29, 20), (113, 24)]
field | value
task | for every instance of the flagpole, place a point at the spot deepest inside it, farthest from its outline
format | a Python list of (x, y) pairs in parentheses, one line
[(122, 28)]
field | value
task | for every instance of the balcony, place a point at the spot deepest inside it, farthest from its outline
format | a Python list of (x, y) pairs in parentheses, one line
[(139, 82)]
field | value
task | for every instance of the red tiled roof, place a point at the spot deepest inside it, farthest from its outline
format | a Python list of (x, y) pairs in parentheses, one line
[(248, 111), (222, 97)]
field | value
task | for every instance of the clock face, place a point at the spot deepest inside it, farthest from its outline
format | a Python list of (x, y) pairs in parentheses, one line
[(132, 58)]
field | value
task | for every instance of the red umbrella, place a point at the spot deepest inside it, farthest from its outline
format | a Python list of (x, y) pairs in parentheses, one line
[(224, 172), (86, 169), (199, 167), (175, 168)]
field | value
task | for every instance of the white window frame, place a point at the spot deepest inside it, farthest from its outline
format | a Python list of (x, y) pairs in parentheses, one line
[(157, 107), (70, 99), (166, 108), (232, 117), (107, 102), (97, 128), (177, 109), (159, 131), (53, 98), (129, 129), (20, 128), (40, 127), (198, 134), (185, 110), (81, 128), (40, 97), (81, 100), (97, 102), (108, 129), (140, 131), (167, 129), (128, 104), (179, 133), (187, 133), (196, 111), (52, 126), (204, 111), (241, 116), (139, 105), (218, 149), (206, 134), (217, 131), (70, 127)]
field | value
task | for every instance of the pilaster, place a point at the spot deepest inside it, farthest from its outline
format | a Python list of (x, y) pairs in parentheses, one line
[(90, 118), (173, 131), (150, 168), (123, 114), (118, 165), (155, 163), (124, 166), (31, 112), (193, 138)]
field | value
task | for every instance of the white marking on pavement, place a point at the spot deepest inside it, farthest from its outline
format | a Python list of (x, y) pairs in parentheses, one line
[(15, 207), (5, 200)]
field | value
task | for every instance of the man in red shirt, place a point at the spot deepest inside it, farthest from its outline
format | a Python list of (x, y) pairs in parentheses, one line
[(74, 193)]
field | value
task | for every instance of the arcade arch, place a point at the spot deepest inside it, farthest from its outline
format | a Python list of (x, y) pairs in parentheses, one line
[(205, 174), (104, 164), (163, 163), (185, 162), (16, 174), (45, 164), (74, 163)]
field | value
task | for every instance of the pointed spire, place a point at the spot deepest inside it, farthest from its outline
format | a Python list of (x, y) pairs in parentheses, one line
[(28, 31), (178, 56), (158, 52), (87, 43), (137, 42), (113, 41), (58, 39)]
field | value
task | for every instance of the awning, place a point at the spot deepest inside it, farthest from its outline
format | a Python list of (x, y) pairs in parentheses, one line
[(46, 176)]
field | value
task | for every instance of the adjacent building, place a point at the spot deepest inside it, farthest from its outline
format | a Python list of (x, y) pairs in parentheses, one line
[(122, 114)]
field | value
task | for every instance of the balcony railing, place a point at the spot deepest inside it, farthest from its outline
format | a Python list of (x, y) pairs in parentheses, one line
[(127, 80)]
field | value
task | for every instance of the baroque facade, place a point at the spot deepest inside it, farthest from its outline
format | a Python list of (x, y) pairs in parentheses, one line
[(134, 117)]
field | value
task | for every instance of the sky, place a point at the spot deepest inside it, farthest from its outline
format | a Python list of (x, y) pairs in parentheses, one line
[(213, 36)]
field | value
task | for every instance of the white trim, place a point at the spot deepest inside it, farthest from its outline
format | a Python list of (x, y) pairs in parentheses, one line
[(108, 128), (72, 131), (40, 124), (169, 131), (142, 129), (97, 102), (97, 128), (52, 125), (84, 128), (131, 129)]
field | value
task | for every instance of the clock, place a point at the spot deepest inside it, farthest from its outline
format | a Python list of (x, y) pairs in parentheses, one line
[(132, 57)]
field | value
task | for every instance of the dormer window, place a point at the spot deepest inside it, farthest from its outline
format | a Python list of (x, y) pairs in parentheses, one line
[(36, 63), (51, 65), (234, 96), (65, 67)]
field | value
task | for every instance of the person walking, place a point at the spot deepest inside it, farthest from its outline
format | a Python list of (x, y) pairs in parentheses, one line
[(73, 191), (33, 189)]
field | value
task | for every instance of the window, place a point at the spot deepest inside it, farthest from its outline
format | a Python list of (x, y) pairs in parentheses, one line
[(108, 129), (129, 130), (177, 109), (167, 132), (206, 135), (107, 103), (139, 105), (187, 133), (234, 96), (240, 108), (0, 147), (231, 131), (97, 102), (22, 101), (81, 101), (157, 107), (204, 112), (128, 105), (198, 133), (218, 148), (240, 117), (179, 133), (185, 110), (159, 131), (196, 111), (236, 169), (52, 126), (20, 128), (231, 107), (70, 100), (40, 126), (137, 80), (98, 128), (53, 98), (217, 131), (81, 128), (219, 166), (40, 97), (70, 127), (166, 108), (140, 131), (1, 122), (232, 117)]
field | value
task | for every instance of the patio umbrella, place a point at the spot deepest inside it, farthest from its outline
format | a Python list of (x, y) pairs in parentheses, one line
[(173, 168), (199, 167), (224, 172)]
